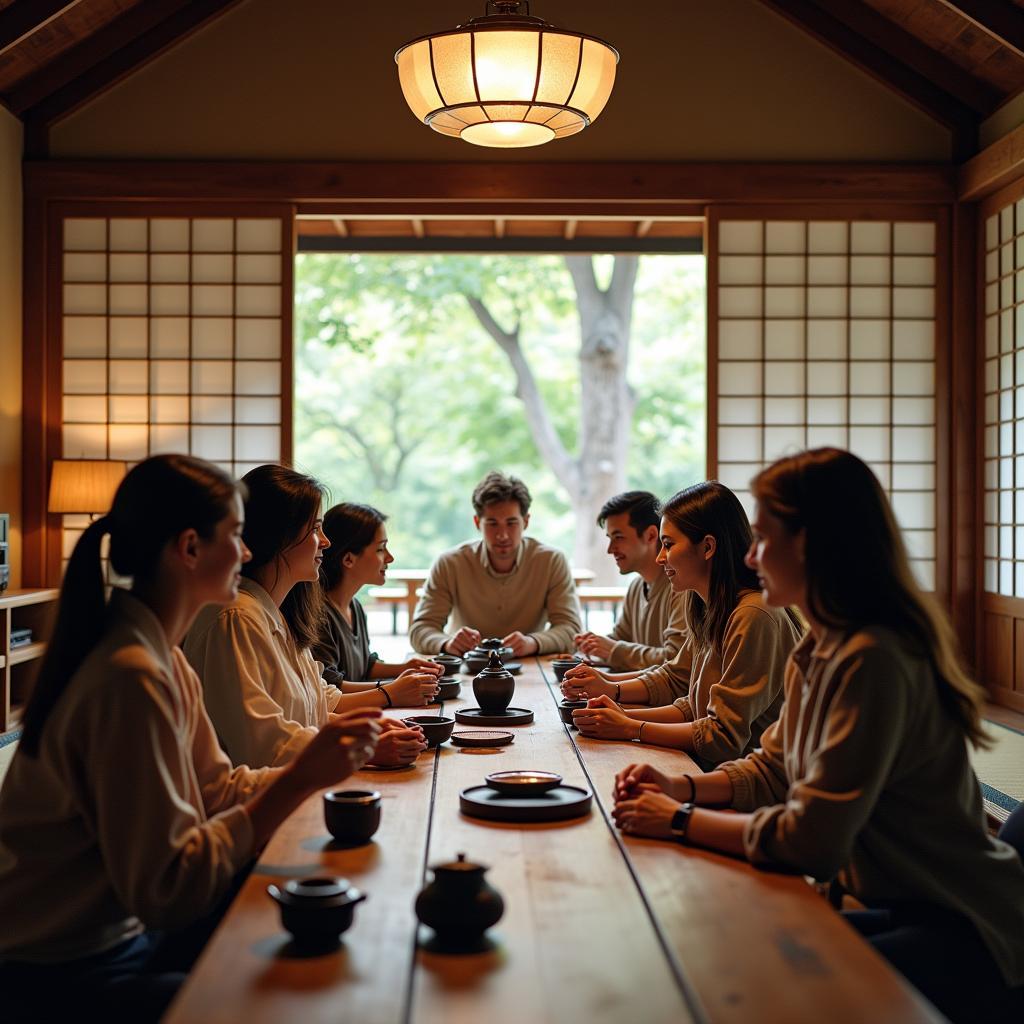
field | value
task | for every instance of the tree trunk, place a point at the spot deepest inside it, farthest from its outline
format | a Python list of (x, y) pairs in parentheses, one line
[(606, 403)]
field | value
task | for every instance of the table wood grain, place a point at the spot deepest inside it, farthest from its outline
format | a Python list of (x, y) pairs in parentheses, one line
[(598, 926)]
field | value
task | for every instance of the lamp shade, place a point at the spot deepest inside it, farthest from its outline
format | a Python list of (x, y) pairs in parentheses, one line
[(84, 485), (507, 80)]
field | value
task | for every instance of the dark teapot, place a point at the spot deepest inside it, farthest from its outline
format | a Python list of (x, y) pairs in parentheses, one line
[(459, 904), (494, 686)]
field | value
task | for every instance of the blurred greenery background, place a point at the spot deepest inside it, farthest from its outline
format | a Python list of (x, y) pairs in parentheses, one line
[(403, 401)]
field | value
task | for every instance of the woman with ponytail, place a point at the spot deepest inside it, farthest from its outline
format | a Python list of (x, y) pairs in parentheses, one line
[(736, 645), (263, 689), (120, 815), (865, 779)]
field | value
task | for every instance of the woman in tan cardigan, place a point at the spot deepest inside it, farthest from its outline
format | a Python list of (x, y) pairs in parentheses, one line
[(120, 813), (263, 688), (738, 645), (865, 779)]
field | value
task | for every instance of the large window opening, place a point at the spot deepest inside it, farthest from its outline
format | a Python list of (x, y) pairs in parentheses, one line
[(416, 373)]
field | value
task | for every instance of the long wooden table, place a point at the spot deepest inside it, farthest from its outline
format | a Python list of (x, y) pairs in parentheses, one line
[(598, 926)]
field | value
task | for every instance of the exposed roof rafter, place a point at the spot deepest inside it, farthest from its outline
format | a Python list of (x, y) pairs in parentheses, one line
[(882, 65), (20, 20), (109, 55), (1002, 20)]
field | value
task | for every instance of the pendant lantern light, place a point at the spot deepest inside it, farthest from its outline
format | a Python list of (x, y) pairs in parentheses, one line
[(507, 79)]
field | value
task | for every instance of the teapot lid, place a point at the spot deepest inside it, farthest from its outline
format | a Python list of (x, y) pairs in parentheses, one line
[(491, 644), (494, 666), (459, 866), (311, 890)]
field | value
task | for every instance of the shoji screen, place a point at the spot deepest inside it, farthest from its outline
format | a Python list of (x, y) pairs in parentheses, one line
[(823, 332), (1002, 445), (175, 338)]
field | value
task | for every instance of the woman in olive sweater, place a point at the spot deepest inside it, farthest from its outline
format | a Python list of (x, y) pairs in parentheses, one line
[(865, 779)]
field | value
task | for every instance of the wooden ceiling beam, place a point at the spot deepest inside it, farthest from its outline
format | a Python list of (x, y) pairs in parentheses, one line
[(884, 67), (20, 20), (126, 44), (1002, 20), (904, 46)]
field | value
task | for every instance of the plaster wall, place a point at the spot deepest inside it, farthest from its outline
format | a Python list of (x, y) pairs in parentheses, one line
[(316, 79), (1009, 116), (10, 332)]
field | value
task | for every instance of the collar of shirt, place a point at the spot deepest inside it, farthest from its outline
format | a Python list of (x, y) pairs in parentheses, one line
[(485, 560), (126, 608), (822, 648), (659, 583), (265, 602)]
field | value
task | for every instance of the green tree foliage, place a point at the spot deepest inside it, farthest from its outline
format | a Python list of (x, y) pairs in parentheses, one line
[(404, 401)]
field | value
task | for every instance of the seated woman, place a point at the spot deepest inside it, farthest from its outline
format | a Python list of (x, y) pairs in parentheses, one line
[(739, 645), (120, 813), (357, 556), (262, 688), (866, 775)]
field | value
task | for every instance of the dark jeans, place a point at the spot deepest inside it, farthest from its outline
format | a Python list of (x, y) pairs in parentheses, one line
[(941, 954), (132, 983)]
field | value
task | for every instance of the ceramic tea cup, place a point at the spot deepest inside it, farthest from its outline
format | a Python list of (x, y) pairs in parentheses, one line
[(450, 663), (562, 665), (352, 815), (449, 690), (567, 707), (316, 911), (436, 728)]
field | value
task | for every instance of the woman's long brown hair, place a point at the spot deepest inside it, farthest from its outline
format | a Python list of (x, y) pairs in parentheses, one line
[(858, 572), (156, 502), (280, 509), (704, 509)]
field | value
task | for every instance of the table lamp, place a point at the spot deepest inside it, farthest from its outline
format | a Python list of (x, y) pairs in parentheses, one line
[(84, 485)]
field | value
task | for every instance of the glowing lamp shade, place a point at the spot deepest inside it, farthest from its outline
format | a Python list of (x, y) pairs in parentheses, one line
[(84, 485), (507, 80)]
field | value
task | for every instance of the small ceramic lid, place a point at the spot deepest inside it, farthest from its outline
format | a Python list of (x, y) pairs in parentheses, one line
[(491, 644), (459, 866), (312, 892), (494, 667)]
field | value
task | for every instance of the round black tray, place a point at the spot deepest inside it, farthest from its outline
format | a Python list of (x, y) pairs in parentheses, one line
[(482, 738), (558, 804), (510, 716)]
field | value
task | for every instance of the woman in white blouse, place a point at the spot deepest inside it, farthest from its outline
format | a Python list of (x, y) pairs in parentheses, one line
[(865, 779), (120, 813), (263, 689)]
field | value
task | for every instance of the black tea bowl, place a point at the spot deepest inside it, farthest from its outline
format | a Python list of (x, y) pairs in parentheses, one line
[(352, 815), (449, 662), (316, 911), (436, 728), (562, 665), (567, 707), (448, 691)]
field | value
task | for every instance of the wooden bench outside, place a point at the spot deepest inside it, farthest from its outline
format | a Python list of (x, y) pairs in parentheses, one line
[(602, 597), (395, 598)]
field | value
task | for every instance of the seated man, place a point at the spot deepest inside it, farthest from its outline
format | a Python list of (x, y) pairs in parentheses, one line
[(650, 629), (504, 585)]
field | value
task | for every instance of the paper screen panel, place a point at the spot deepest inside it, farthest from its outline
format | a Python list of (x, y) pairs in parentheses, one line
[(172, 339), (1003, 403), (826, 336)]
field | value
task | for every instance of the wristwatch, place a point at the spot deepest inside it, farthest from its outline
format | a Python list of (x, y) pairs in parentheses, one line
[(680, 823)]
